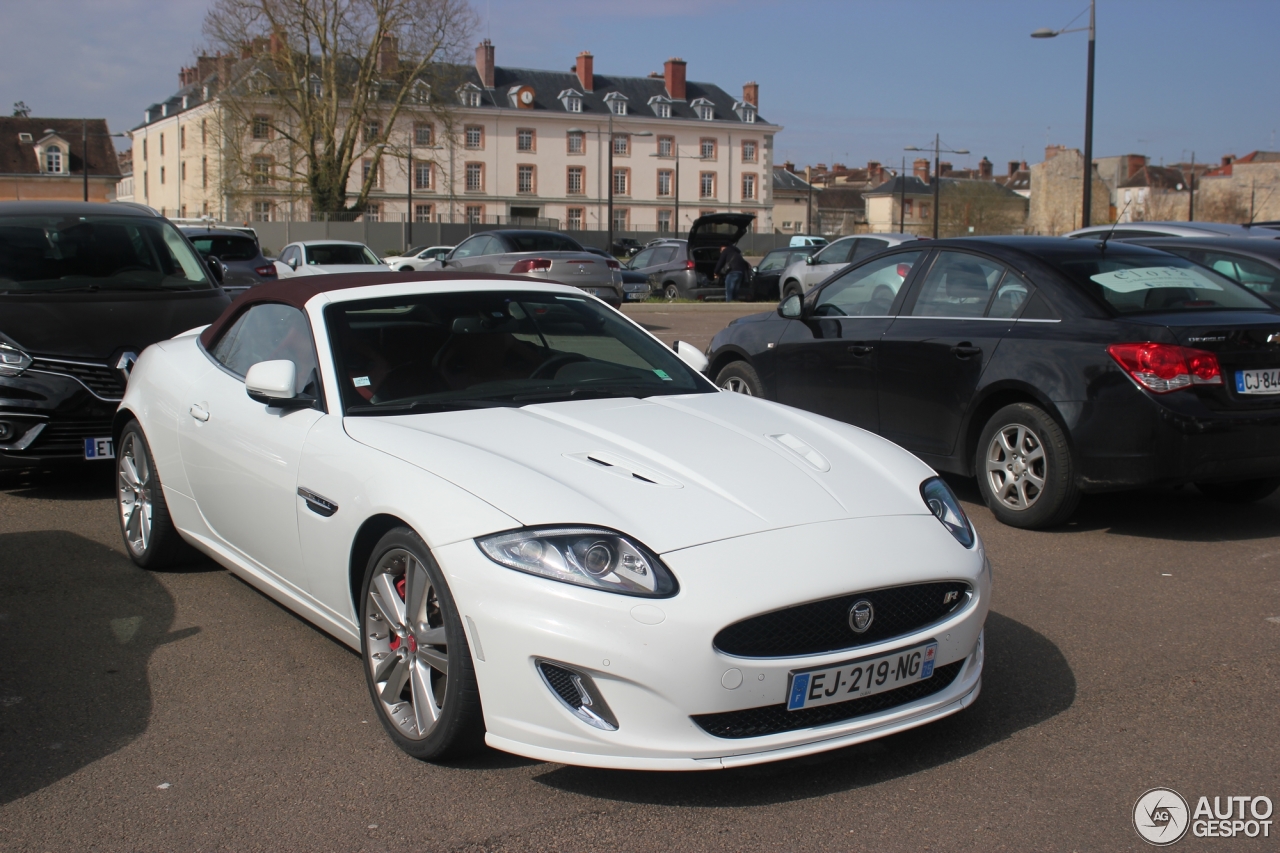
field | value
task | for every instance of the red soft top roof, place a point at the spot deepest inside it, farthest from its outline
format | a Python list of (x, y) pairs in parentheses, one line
[(298, 291)]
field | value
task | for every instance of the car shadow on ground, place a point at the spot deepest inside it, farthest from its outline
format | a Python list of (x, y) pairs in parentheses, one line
[(91, 481), (76, 634), (1026, 680)]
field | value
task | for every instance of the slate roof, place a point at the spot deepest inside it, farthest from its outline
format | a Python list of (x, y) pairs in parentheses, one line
[(1155, 177), (19, 158), (915, 186), (786, 180)]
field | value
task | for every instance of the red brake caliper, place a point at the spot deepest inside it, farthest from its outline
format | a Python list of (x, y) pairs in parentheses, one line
[(395, 641)]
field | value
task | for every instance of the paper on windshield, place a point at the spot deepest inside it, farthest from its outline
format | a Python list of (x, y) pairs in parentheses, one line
[(1150, 278)]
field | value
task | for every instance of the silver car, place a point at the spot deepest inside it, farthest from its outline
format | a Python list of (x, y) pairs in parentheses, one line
[(800, 277), (541, 254), (1130, 230)]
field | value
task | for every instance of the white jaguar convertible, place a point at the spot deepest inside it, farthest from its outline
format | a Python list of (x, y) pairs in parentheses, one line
[(546, 531)]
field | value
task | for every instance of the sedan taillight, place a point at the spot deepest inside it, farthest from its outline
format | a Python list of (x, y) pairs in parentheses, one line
[(612, 264), (268, 271), (1161, 368), (531, 264)]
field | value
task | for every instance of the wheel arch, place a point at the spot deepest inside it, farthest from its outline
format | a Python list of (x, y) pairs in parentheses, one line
[(993, 400), (119, 421), (371, 530), (726, 356)]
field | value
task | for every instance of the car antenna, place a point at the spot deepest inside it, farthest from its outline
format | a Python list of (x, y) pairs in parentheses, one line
[(1102, 246)]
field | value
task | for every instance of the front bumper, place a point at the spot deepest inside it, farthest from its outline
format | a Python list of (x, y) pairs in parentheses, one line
[(653, 661), (50, 415)]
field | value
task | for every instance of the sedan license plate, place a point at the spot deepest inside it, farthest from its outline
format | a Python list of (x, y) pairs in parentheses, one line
[(855, 679), (99, 448), (637, 297), (1258, 381)]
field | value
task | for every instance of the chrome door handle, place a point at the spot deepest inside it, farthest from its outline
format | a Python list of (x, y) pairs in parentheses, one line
[(198, 413), (965, 350), (859, 350)]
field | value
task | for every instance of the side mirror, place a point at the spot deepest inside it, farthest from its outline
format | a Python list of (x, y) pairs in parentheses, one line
[(272, 382), (811, 260), (215, 267), (691, 356), (755, 269), (293, 262), (792, 308)]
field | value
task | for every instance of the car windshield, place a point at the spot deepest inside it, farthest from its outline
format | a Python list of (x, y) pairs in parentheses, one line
[(340, 254), (448, 351), (1136, 283), (542, 242), (225, 248), (51, 253)]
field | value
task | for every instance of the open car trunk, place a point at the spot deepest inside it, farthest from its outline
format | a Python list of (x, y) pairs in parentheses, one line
[(709, 233)]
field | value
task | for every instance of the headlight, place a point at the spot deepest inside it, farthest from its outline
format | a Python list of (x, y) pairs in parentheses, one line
[(943, 504), (586, 556), (13, 361)]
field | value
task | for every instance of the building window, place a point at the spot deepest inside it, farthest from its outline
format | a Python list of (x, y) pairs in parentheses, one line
[(204, 131), (422, 176), (705, 212), (707, 185), (908, 207), (748, 151), (372, 130), (573, 219), (577, 142), (422, 213), (261, 130), (474, 136), (618, 106), (162, 145), (366, 168), (162, 175), (621, 217), (573, 105), (664, 221), (262, 211), (261, 171), (470, 98), (475, 214), (475, 177), (662, 109), (204, 172), (621, 145), (182, 170), (666, 146), (315, 86), (749, 115), (182, 211), (422, 133), (373, 212), (748, 186), (706, 113), (577, 180), (621, 181), (665, 177), (204, 208), (924, 210), (420, 94), (707, 149), (53, 160), (144, 149), (524, 179), (524, 140), (182, 138)]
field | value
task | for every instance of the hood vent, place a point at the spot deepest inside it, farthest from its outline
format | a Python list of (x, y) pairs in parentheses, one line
[(625, 468), (811, 457)]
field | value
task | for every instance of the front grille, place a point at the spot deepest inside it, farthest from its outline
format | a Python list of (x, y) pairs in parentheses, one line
[(771, 719), (102, 380), (823, 626), (67, 436)]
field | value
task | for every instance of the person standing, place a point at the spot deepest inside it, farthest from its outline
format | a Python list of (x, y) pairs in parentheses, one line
[(733, 268)]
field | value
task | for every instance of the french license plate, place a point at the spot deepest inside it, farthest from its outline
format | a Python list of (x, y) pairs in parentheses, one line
[(827, 685), (637, 297), (99, 448), (1258, 381)]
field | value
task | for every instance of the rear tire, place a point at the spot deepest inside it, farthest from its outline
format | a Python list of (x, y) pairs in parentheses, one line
[(670, 291), (149, 535), (1241, 491), (1025, 469), (740, 378)]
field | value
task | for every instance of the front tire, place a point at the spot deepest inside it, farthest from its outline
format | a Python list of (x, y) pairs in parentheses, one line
[(1025, 469), (1240, 492), (405, 269), (740, 378), (417, 661), (149, 535), (791, 287)]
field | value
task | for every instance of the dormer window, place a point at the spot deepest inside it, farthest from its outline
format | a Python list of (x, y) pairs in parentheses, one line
[(470, 95), (617, 103), (705, 109), (571, 100), (420, 94), (164, 110), (315, 86), (745, 111), (661, 106), (53, 160), (24, 137), (204, 93), (186, 101)]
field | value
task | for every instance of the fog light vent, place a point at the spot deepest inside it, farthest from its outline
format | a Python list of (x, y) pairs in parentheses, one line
[(577, 692), (6, 430)]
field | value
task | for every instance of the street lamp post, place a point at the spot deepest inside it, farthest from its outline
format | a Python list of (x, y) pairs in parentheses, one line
[(937, 175), (1087, 200), (609, 177), (675, 150)]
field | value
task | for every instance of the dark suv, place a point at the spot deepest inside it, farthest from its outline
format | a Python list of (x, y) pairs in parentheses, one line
[(243, 264), (682, 269), (84, 288)]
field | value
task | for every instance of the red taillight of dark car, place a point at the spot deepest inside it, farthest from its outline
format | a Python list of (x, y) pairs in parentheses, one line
[(612, 264), (531, 264), (1161, 368), (268, 271)]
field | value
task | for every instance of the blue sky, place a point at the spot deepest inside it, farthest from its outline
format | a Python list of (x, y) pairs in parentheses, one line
[(851, 80)]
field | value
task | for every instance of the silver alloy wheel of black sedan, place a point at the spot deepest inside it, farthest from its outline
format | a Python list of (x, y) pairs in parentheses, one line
[(1015, 466), (407, 649), (136, 490), (737, 385)]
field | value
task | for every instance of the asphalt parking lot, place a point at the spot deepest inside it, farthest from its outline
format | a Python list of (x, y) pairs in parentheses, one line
[(1138, 646)]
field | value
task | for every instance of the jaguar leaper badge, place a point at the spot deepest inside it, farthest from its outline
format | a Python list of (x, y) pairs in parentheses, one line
[(861, 615)]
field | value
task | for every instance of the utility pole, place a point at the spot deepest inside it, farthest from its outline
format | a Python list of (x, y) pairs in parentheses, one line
[(902, 198), (937, 176), (409, 230), (84, 154), (1087, 199), (1191, 186)]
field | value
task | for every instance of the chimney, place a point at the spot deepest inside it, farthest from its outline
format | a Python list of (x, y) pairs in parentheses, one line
[(875, 173), (586, 71), (789, 166), (205, 66), (484, 63), (276, 43), (920, 168), (673, 74), (1227, 158), (1023, 167), (751, 93), (1051, 151), (985, 168), (943, 168), (1013, 167), (388, 55)]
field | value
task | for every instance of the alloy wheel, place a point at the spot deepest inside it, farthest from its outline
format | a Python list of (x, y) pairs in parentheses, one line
[(407, 650), (737, 385), (1016, 466), (136, 494)]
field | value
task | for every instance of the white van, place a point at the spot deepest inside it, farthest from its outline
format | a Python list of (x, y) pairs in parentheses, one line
[(806, 240)]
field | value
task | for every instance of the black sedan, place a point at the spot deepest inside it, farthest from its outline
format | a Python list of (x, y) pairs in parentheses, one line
[(764, 279), (1044, 367)]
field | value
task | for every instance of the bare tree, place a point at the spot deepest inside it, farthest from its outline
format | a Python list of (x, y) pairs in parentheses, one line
[(320, 85)]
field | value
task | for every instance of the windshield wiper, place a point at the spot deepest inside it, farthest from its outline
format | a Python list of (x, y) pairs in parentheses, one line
[(426, 406), (589, 392)]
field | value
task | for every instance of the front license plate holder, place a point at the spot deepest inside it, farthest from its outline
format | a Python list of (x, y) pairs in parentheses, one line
[(1258, 381), (99, 448), (856, 679)]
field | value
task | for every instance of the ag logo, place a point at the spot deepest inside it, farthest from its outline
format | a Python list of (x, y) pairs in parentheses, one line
[(861, 615), (1160, 816)]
